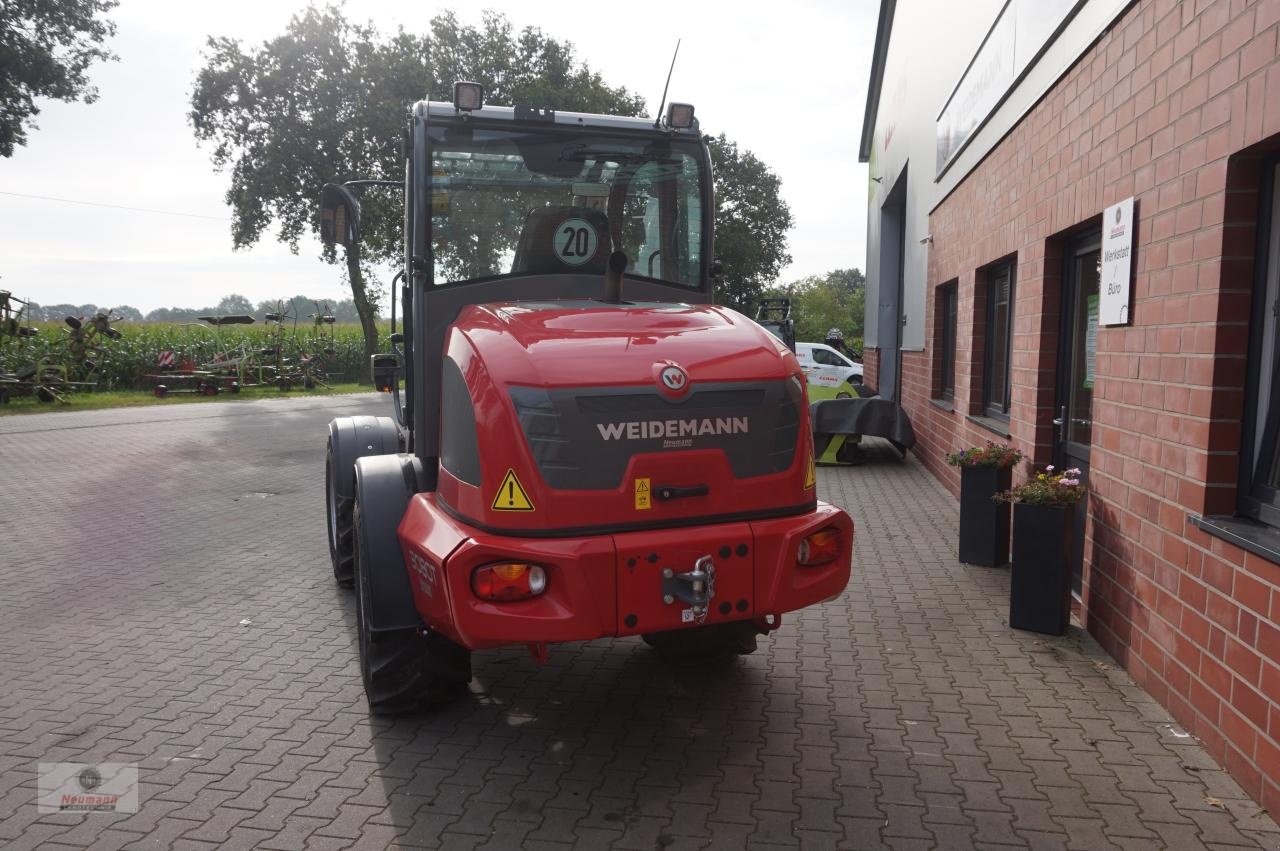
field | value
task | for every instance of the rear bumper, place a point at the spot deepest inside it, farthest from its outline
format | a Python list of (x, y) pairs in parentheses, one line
[(608, 585)]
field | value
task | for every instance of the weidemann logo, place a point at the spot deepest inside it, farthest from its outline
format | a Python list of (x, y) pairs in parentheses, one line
[(654, 429)]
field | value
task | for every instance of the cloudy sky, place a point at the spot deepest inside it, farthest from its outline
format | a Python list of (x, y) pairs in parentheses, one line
[(785, 81)]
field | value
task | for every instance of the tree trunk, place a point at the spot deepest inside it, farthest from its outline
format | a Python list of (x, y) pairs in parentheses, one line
[(368, 313)]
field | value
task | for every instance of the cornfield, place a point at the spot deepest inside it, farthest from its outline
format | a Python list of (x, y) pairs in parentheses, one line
[(126, 362)]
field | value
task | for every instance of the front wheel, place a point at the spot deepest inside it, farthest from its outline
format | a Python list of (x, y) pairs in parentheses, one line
[(403, 670)]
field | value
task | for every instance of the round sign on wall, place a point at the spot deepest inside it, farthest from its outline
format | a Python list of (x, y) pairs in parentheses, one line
[(575, 241)]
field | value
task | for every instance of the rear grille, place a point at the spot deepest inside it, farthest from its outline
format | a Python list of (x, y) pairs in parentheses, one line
[(786, 432), (540, 422), (649, 402), (584, 439)]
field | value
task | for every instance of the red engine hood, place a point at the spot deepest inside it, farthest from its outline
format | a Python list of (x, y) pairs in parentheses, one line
[(573, 430), (576, 344)]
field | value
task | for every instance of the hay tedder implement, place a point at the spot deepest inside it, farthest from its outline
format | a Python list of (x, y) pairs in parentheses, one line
[(69, 364)]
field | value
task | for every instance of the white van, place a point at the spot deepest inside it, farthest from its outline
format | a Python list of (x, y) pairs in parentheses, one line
[(826, 367)]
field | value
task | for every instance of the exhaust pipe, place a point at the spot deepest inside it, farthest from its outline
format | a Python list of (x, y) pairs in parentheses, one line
[(613, 277)]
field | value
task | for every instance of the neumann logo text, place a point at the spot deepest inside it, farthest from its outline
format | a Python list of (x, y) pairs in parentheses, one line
[(654, 429), (107, 787)]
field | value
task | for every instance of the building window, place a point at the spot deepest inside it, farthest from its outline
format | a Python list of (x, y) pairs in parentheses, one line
[(1260, 458), (999, 341), (946, 336)]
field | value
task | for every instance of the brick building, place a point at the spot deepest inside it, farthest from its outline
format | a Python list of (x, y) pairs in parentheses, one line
[(998, 135)]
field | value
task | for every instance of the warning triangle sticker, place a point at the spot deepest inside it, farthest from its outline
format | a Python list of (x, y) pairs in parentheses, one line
[(510, 495), (810, 474)]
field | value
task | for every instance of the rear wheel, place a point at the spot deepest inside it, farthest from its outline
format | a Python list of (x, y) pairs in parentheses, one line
[(403, 670), (702, 645), (341, 525)]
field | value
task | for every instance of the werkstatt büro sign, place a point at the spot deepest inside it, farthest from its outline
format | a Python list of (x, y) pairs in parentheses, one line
[(1117, 264)]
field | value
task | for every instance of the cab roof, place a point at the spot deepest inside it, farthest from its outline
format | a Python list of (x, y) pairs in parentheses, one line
[(445, 109)]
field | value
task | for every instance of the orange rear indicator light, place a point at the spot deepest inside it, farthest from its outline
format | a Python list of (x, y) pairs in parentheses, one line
[(508, 581), (819, 547)]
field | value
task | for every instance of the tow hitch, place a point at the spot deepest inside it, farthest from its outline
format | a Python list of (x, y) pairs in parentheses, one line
[(695, 587)]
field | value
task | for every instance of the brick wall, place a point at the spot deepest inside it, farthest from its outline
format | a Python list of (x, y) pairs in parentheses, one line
[(871, 368), (1175, 105)]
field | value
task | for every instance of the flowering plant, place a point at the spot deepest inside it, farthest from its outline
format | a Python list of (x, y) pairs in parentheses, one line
[(995, 455), (1047, 488)]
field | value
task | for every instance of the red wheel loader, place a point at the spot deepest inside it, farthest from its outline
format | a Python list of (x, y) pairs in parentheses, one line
[(582, 444)]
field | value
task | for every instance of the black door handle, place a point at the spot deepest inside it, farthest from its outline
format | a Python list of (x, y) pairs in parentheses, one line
[(674, 492)]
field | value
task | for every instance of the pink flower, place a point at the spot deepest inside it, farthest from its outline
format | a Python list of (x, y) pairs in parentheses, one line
[(1071, 482), (1049, 469)]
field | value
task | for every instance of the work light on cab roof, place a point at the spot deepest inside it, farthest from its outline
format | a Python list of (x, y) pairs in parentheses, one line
[(568, 458), (680, 116), (468, 96)]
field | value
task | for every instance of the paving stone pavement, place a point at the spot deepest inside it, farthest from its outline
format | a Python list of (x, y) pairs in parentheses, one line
[(168, 601)]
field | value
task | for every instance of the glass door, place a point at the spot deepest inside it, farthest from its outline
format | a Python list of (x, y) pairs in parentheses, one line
[(1073, 425)]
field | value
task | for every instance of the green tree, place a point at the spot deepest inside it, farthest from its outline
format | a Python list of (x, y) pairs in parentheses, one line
[(752, 222), (46, 48), (326, 101), (233, 304), (822, 302)]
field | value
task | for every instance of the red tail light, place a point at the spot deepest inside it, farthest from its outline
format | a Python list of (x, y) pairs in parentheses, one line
[(508, 581), (820, 547)]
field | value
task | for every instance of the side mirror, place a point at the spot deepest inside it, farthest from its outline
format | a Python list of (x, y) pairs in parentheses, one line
[(386, 372), (339, 215), (717, 269)]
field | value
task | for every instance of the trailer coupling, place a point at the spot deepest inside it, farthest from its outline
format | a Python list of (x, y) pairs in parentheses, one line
[(695, 588)]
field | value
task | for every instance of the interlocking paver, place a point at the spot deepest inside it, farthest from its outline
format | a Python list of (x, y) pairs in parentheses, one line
[(903, 714)]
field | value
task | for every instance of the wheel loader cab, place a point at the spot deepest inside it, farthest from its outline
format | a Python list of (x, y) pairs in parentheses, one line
[(588, 447)]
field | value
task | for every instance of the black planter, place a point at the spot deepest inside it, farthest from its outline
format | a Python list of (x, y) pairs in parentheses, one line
[(984, 523), (1040, 593)]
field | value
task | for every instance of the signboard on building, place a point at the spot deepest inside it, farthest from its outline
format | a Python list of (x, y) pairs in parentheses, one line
[(1117, 264)]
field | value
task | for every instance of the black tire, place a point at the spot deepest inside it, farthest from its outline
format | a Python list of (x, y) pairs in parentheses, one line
[(403, 670), (341, 511), (704, 645)]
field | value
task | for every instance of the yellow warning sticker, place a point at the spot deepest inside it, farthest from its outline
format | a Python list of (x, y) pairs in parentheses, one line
[(810, 474), (642, 495), (511, 496)]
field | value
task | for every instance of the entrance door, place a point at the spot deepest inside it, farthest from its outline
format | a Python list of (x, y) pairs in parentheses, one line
[(893, 222), (1079, 334)]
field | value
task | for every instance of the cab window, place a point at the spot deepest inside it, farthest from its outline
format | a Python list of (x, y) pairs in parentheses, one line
[(550, 200)]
